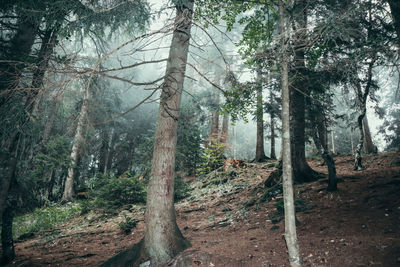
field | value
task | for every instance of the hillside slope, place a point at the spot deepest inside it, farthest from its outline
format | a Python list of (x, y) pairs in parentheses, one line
[(359, 225)]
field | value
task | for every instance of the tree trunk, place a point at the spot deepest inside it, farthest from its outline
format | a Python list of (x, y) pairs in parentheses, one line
[(395, 11), (319, 137), (351, 140), (224, 132), (260, 153), (358, 159), (79, 139), (287, 171), (369, 146), (302, 171), (333, 141), (215, 120), (7, 243), (48, 43), (163, 239), (273, 155), (104, 150), (362, 97), (21, 45)]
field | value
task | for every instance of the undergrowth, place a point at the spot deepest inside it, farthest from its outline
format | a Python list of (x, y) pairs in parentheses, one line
[(43, 219)]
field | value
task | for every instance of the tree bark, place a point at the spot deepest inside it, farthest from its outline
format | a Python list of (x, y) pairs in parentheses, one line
[(215, 120), (369, 146), (395, 11), (21, 45), (273, 154), (7, 243), (302, 171), (362, 97), (79, 139), (163, 239), (319, 137), (260, 153), (224, 131), (287, 171)]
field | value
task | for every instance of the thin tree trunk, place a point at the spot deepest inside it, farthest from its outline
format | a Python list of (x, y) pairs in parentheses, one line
[(224, 131), (273, 155), (287, 171), (215, 120), (369, 146), (333, 141), (260, 153), (79, 139), (351, 140)]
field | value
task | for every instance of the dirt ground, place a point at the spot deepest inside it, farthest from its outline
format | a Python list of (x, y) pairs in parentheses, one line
[(359, 225)]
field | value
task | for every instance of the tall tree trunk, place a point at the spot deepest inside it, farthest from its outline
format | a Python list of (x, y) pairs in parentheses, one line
[(362, 97), (104, 150), (273, 154), (52, 117), (163, 239), (260, 153), (395, 11), (224, 131), (333, 141), (215, 120), (79, 139), (287, 171), (351, 140), (20, 48), (369, 146), (7, 243), (302, 171), (48, 43)]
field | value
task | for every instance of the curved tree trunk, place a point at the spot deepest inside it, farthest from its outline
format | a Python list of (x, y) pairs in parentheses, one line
[(319, 137), (287, 174), (69, 190), (163, 239)]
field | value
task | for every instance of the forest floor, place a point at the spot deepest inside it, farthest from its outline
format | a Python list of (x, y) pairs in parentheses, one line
[(359, 225)]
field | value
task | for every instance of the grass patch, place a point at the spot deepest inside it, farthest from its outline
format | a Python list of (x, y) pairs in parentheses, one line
[(43, 219)]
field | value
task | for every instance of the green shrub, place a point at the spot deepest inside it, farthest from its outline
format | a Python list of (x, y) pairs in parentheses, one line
[(127, 225), (181, 188), (43, 219), (112, 193), (213, 158)]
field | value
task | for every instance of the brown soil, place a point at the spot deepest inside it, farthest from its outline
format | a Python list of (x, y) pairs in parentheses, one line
[(359, 225)]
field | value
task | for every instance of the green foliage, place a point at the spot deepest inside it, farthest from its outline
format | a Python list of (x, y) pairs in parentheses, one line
[(112, 193), (189, 150), (44, 219), (56, 154), (181, 188), (213, 158), (129, 224)]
